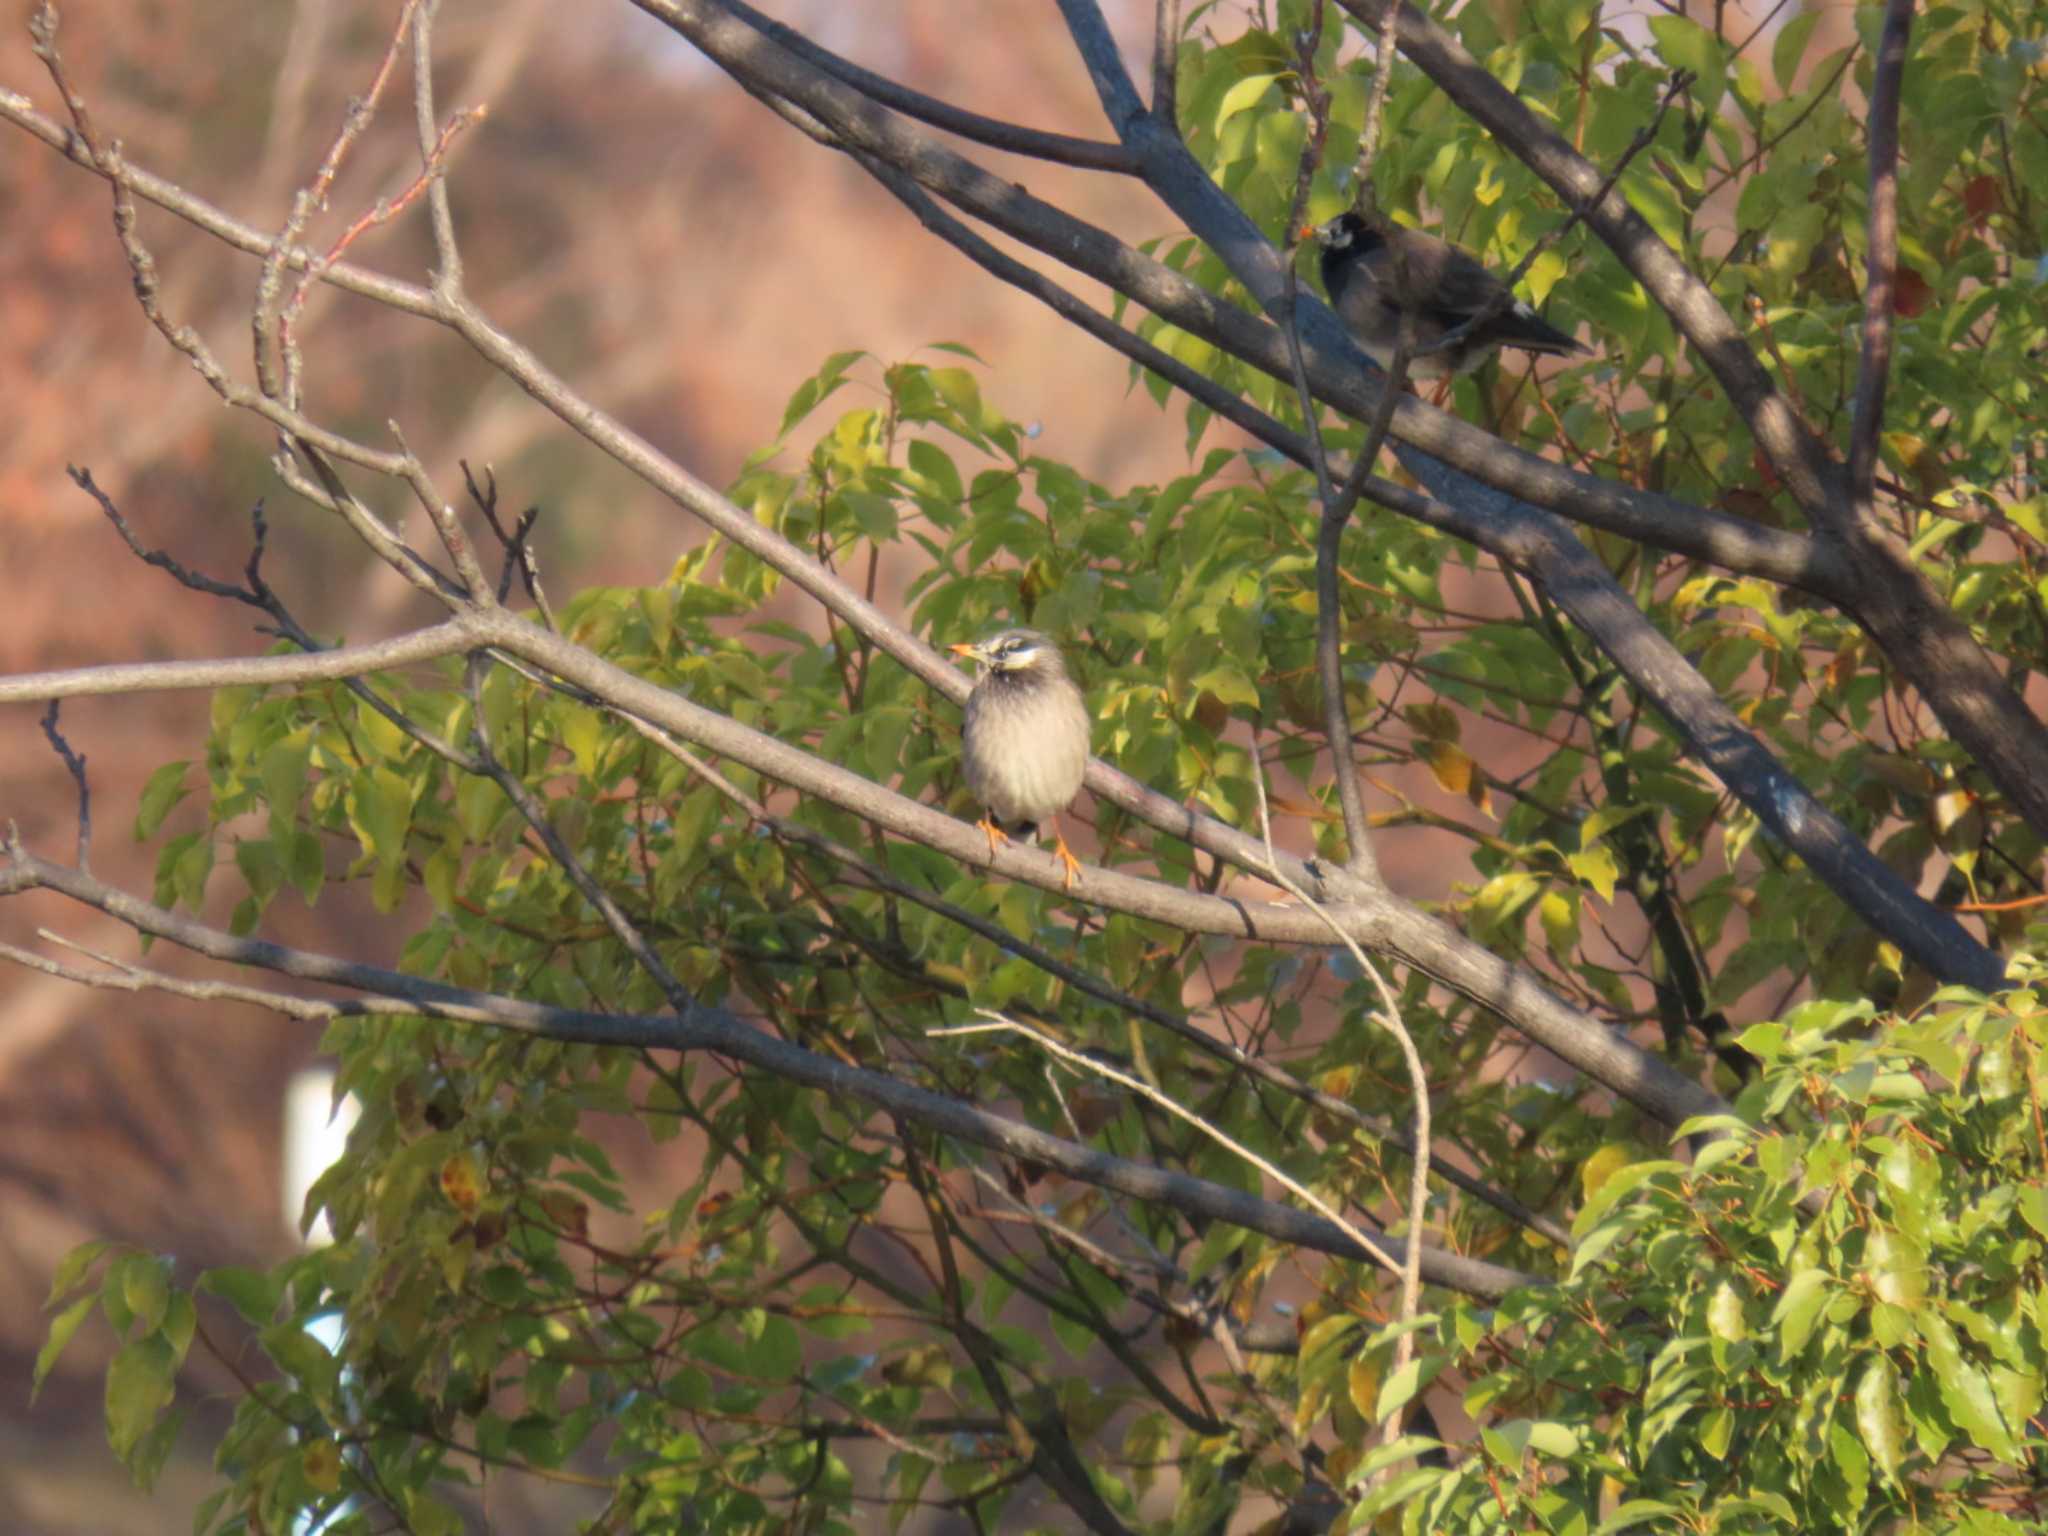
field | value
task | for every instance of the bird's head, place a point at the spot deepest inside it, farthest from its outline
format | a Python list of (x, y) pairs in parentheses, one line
[(1013, 653), (1348, 234)]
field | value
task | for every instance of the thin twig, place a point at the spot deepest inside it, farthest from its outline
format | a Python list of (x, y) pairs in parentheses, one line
[(1166, 61), (998, 1023), (1882, 254), (1337, 506), (1376, 103), (309, 200), (434, 139), (75, 763), (180, 572), (530, 807), (1418, 1080)]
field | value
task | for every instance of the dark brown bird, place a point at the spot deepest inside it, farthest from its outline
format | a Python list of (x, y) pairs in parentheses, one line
[(1024, 743), (1377, 273)]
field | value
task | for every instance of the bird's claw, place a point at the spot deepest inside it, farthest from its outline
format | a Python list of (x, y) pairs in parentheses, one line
[(996, 835), (1066, 856)]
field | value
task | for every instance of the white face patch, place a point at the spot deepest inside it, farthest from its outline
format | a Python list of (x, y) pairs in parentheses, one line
[(1015, 655)]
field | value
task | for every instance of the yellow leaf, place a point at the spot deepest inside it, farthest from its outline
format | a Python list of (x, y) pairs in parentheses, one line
[(1603, 1165), (1364, 1387), (1453, 769), (462, 1182), (321, 1463)]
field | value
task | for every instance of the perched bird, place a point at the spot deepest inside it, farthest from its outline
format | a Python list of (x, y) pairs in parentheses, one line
[(1024, 745), (1376, 273)]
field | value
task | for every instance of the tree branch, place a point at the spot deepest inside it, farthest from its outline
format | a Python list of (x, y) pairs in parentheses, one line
[(447, 639), (1013, 138), (1865, 574), (1575, 578), (704, 1028), (1881, 253)]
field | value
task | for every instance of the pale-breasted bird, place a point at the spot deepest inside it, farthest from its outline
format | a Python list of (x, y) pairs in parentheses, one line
[(1024, 744), (1378, 273)]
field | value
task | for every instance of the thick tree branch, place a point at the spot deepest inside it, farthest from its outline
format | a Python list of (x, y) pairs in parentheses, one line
[(851, 864), (1383, 923), (1574, 577), (1014, 138), (1409, 935), (703, 1028), (1858, 567), (766, 70), (1377, 920), (1480, 514), (1800, 459)]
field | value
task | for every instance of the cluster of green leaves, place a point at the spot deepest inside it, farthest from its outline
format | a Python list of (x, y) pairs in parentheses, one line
[(1833, 1316), (1774, 118), (486, 1250)]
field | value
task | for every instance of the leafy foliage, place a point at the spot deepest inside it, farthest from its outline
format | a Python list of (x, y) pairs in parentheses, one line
[(1829, 1318), (1819, 1315)]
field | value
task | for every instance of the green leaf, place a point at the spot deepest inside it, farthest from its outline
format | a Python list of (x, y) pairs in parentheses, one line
[(147, 1459), (1685, 44), (145, 1287), (816, 389), (1788, 51), (1878, 1418), (61, 1330), (1509, 1442), (875, 515), (936, 468), (1397, 1390), (1799, 1308), (1597, 867), (1725, 1313), (1553, 1439), (1852, 1460), (778, 1353), (1966, 1391), (1897, 1267), (1635, 1512), (71, 1269), (1241, 97), (305, 864), (166, 787), (429, 1516), (255, 1293), (139, 1387), (384, 736), (583, 733)]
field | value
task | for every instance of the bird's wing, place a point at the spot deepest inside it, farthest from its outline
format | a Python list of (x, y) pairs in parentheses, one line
[(1446, 283), (1451, 287)]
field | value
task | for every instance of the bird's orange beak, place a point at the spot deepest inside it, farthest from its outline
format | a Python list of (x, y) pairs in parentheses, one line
[(964, 648), (1304, 233)]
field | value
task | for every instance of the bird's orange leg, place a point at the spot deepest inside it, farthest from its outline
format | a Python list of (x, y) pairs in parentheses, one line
[(1065, 855), (995, 833)]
